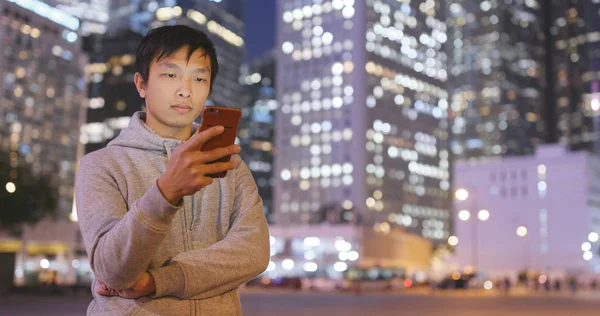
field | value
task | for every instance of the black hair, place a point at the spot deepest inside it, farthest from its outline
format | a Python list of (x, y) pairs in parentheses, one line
[(164, 41)]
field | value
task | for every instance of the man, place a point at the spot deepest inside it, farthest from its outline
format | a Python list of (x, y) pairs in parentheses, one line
[(164, 238)]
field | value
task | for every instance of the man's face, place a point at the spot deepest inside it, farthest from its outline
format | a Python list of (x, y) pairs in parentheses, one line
[(176, 90)]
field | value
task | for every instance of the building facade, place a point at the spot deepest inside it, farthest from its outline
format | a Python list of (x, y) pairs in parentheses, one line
[(256, 133), (43, 95), (93, 14), (574, 33), (42, 106), (540, 213), (498, 80), (362, 122)]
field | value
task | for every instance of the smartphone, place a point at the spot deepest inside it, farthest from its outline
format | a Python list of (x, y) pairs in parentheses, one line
[(229, 118)]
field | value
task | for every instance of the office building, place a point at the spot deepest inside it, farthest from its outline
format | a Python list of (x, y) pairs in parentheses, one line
[(43, 95), (256, 132), (574, 73), (362, 118), (497, 68)]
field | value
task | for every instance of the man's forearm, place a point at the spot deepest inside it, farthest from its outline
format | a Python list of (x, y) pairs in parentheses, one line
[(220, 268), (124, 252)]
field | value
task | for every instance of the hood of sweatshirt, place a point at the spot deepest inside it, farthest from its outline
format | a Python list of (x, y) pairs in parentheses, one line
[(140, 136)]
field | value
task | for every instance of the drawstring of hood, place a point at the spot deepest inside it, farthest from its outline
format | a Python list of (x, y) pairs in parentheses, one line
[(167, 149)]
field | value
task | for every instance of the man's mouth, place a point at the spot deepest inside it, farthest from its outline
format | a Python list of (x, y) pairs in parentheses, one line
[(182, 108)]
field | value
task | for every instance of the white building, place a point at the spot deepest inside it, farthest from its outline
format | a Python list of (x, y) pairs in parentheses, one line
[(543, 213), (361, 132)]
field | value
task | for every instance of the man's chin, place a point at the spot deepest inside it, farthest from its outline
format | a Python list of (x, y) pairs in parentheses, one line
[(181, 122)]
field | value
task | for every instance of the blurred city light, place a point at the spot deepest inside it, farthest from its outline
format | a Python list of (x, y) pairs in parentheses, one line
[(10, 187), (340, 266), (455, 275), (483, 215), (272, 240), (462, 194), (310, 267), (453, 240), (593, 237), (312, 241), (469, 270), (44, 263), (541, 169), (353, 256), (488, 285), (271, 266), (522, 231), (287, 264), (587, 256), (342, 245), (586, 246), (309, 255), (464, 215)]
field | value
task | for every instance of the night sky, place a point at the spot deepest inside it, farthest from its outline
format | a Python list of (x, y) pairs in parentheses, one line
[(260, 27)]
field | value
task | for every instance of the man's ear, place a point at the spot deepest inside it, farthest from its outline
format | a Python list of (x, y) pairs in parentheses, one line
[(140, 85)]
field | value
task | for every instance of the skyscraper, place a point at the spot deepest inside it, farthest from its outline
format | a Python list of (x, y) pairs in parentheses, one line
[(93, 14), (256, 131), (112, 95), (113, 57), (497, 69), (41, 103), (361, 131), (574, 31)]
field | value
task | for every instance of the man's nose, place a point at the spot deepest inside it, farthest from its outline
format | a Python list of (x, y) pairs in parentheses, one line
[(185, 89)]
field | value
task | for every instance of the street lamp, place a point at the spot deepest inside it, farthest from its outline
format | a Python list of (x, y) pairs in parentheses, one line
[(464, 215), (522, 232), (483, 215), (586, 246), (462, 194)]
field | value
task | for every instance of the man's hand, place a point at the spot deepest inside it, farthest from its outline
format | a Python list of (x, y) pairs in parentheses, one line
[(188, 169), (143, 287)]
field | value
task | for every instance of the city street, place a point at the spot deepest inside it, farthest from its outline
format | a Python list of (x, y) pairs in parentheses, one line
[(331, 304)]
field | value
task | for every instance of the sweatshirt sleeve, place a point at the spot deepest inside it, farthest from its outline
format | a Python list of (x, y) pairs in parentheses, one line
[(242, 255), (120, 242)]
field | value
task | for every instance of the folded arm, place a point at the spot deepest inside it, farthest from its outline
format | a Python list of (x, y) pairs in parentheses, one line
[(120, 242), (222, 267)]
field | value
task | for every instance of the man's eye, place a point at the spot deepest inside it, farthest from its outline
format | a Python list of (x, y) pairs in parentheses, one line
[(170, 75), (199, 79)]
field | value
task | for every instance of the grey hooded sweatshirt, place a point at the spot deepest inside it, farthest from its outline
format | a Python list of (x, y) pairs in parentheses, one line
[(199, 252)]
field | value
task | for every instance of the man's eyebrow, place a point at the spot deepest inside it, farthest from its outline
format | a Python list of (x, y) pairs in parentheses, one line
[(169, 65), (201, 70), (175, 66)]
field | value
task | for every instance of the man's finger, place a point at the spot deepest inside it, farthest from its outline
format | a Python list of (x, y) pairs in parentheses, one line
[(105, 292), (218, 167), (198, 140), (218, 153)]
